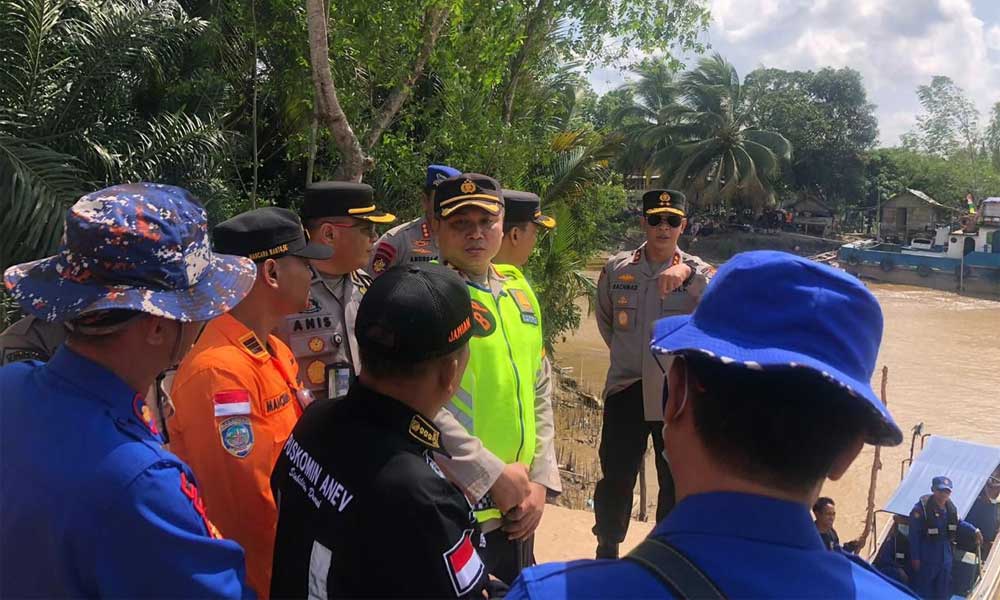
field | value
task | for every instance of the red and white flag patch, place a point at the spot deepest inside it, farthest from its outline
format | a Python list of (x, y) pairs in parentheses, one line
[(231, 403), (464, 565)]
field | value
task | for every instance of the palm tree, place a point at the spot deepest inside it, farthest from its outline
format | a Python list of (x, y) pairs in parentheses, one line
[(71, 75), (646, 122), (705, 144)]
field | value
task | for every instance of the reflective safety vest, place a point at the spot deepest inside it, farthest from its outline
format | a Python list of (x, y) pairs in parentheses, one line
[(496, 399), (952, 520)]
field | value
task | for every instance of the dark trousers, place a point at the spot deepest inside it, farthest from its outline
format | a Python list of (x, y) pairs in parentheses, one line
[(505, 558), (624, 437)]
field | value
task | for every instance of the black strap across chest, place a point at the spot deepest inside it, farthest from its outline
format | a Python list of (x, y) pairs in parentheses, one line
[(684, 580)]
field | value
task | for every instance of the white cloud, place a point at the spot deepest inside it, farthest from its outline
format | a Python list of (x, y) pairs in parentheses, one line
[(993, 38), (895, 48)]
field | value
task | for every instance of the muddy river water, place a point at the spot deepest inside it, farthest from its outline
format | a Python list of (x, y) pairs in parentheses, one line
[(943, 354)]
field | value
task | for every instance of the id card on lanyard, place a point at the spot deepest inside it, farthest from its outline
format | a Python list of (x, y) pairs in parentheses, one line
[(339, 377)]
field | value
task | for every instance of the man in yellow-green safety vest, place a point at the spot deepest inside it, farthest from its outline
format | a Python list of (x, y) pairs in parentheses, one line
[(498, 428)]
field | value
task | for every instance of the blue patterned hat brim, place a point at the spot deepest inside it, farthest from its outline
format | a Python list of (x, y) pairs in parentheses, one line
[(41, 291)]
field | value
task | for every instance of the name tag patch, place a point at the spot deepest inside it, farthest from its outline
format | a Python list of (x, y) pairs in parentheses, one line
[(277, 403)]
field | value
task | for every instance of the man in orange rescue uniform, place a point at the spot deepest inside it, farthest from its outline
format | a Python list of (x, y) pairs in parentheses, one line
[(237, 395)]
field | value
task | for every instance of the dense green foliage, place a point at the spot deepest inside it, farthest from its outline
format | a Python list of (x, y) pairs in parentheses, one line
[(217, 96)]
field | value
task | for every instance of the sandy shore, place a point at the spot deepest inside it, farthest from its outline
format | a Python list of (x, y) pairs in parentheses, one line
[(564, 534)]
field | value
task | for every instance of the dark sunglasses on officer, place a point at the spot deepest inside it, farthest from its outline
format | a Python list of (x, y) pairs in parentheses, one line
[(672, 220)]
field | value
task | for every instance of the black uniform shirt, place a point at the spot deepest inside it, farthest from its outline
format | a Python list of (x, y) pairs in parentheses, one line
[(364, 511)]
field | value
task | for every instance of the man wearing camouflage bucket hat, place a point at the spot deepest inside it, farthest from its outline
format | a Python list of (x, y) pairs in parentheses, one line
[(91, 498)]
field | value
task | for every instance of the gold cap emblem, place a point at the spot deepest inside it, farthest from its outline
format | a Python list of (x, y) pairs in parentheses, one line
[(468, 187), (664, 199)]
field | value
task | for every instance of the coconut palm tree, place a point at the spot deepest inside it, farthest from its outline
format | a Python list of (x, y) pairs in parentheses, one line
[(704, 144), (72, 75), (646, 122)]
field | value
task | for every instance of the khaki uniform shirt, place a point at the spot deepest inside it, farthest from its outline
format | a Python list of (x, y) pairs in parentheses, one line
[(628, 303), (410, 242), (30, 339), (323, 335), (475, 468)]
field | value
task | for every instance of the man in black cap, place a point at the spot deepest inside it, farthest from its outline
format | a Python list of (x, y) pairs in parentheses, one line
[(637, 287), (341, 215), (237, 394), (502, 447), (364, 509), (522, 217)]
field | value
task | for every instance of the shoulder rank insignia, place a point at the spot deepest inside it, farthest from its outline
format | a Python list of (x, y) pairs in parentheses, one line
[(425, 230), (424, 432), (253, 345)]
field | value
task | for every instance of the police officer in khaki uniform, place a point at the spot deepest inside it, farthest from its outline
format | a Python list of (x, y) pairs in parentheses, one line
[(413, 241), (30, 339), (341, 215), (635, 289)]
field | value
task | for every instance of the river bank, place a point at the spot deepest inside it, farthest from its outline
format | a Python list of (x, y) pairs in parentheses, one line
[(943, 357)]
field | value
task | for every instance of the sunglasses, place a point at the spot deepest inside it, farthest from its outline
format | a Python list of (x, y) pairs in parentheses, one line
[(365, 226), (672, 220)]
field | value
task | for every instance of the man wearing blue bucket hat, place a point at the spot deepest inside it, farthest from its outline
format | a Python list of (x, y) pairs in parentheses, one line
[(769, 396), (92, 503)]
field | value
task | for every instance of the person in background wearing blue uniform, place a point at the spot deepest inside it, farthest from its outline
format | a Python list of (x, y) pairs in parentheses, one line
[(985, 512), (92, 504), (934, 527), (769, 396), (893, 557)]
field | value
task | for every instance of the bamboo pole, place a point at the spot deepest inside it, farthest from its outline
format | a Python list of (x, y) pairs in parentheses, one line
[(876, 466)]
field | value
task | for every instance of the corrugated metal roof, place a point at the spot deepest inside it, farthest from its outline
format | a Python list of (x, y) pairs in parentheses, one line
[(968, 465), (927, 198)]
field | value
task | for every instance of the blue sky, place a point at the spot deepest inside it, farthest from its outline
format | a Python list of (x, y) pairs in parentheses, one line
[(895, 44)]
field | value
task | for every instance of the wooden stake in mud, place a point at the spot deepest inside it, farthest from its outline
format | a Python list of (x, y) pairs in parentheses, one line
[(876, 466)]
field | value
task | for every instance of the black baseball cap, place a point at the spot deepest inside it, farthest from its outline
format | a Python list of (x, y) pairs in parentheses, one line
[(343, 199), (655, 202), (522, 207), (414, 313), (468, 189), (269, 232)]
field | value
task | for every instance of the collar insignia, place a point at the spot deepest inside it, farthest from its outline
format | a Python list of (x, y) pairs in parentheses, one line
[(425, 432)]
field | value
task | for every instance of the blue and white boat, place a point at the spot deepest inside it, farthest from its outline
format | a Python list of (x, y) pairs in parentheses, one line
[(975, 576), (964, 258)]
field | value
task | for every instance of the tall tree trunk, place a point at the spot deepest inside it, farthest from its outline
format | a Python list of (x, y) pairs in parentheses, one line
[(354, 161), (534, 32), (434, 20)]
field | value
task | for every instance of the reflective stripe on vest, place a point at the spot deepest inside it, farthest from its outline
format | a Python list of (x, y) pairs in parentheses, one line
[(497, 394)]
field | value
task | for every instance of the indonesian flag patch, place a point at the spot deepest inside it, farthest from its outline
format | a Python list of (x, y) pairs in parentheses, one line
[(231, 403), (464, 565)]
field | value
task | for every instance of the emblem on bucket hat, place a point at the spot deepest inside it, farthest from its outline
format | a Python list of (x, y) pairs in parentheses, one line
[(142, 247)]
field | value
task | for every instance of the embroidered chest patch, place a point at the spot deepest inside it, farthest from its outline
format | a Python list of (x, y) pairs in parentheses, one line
[(524, 306), (237, 436)]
